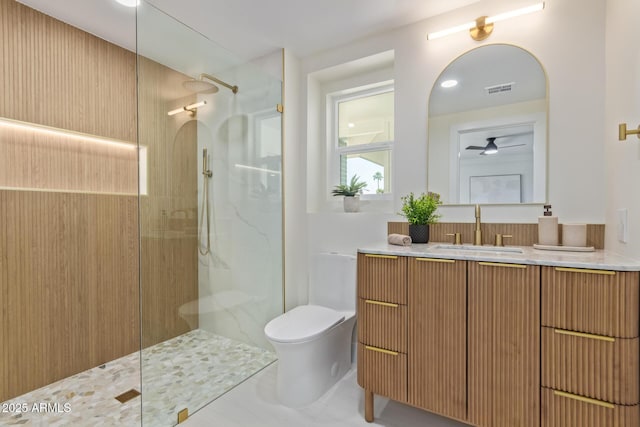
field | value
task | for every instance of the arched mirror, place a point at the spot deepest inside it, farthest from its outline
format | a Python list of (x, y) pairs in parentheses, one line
[(488, 128)]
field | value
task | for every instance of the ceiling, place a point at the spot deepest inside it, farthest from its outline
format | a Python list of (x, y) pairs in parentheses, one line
[(253, 28), (484, 67)]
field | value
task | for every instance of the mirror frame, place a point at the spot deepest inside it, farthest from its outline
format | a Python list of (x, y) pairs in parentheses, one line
[(546, 172)]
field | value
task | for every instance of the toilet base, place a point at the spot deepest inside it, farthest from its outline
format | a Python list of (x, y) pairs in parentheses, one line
[(307, 370)]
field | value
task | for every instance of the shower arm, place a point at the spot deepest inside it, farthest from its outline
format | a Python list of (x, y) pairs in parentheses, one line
[(233, 89)]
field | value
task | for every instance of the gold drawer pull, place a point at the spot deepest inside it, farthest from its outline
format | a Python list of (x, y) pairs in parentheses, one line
[(583, 335), (381, 350), (584, 399), (436, 260), (586, 270), (381, 256), (386, 304), (499, 264)]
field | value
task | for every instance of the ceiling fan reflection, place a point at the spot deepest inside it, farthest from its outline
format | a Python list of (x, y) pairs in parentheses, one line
[(492, 148)]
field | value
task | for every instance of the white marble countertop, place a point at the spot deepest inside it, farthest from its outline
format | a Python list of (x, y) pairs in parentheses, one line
[(597, 260)]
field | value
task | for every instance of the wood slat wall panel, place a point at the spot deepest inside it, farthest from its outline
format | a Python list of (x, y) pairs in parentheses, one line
[(559, 411), (169, 212), (5, 352), (438, 337), (503, 345), (593, 303), (523, 234), (57, 75), (382, 279), (170, 278), (383, 374), (382, 326), (590, 367), (69, 262), (69, 283)]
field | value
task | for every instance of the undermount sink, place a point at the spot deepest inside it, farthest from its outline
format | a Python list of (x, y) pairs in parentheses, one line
[(480, 248)]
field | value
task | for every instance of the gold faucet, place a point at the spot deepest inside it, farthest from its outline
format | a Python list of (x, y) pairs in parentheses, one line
[(478, 236), (500, 239), (457, 238)]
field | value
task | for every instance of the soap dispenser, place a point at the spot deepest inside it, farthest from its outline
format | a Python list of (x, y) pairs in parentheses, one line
[(548, 228)]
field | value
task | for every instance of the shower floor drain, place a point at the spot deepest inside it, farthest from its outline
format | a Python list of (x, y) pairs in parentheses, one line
[(127, 396)]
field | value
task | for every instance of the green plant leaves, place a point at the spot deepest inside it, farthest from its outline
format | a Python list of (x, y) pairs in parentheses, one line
[(354, 187), (422, 209)]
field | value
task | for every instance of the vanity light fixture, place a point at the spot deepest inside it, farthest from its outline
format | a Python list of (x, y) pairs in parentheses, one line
[(190, 108), (623, 132), (482, 27), (449, 83)]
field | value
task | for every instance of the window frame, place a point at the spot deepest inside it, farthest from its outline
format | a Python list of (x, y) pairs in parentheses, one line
[(335, 152)]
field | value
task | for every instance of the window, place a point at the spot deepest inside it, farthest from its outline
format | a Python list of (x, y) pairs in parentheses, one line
[(362, 139)]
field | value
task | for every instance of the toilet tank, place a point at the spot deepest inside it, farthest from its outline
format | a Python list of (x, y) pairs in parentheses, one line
[(332, 281)]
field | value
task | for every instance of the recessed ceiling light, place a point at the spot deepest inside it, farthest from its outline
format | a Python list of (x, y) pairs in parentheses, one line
[(350, 125), (449, 83), (129, 3)]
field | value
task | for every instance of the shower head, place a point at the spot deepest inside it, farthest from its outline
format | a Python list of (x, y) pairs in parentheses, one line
[(200, 86)]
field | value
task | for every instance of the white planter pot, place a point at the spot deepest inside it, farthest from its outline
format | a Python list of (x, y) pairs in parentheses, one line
[(351, 204)]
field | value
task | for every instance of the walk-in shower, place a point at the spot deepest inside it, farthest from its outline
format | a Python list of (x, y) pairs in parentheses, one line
[(212, 228), (136, 256)]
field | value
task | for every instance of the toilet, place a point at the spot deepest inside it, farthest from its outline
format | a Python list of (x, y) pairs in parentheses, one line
[(313, 342)]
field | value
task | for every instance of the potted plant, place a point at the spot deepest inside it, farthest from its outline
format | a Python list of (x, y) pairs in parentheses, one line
[(420, 212), (351, 193)]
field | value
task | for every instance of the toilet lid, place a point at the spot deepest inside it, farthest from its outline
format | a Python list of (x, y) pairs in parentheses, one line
[(302, 323)]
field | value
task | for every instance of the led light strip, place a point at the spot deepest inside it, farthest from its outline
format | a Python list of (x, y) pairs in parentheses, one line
[(47, 130)]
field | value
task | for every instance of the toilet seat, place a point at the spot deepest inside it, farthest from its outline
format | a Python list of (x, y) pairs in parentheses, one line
[(302, 323)]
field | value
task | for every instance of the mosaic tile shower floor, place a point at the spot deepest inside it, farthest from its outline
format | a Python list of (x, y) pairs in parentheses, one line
[(187, 371)]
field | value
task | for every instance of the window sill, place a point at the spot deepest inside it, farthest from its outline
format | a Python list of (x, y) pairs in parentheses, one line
[(370, 205)]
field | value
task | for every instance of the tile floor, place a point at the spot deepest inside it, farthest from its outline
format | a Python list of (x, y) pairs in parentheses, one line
[(187, 371), (215, 364), (253, 403)]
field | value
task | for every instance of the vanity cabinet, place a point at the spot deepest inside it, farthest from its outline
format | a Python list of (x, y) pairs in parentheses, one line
[(382, 327), (437, 304), (504, 344), (590, 348), (500, 344)]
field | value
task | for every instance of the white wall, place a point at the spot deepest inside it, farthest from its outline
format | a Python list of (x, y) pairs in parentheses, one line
[(295, 230), (623, 106)]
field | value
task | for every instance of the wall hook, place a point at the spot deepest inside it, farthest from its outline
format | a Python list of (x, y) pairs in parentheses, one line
[(623, 132)]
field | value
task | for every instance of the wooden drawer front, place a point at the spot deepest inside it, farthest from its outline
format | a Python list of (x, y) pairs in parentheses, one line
[(383, 372), (382, 324), (592, 301), (382, 278), (599, 367), (559, 410), (437, 355), (503, 361)]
